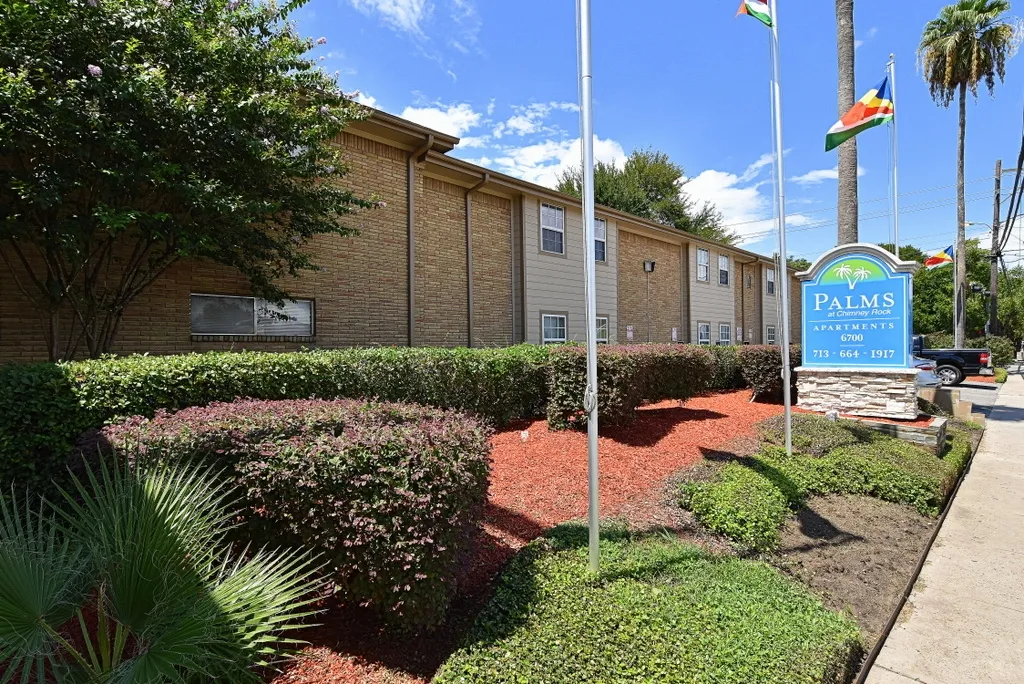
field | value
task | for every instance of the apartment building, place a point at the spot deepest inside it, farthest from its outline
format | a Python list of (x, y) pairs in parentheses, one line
[(458, 255)]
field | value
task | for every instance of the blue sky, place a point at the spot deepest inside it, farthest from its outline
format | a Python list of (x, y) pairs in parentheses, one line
[(683, 77)]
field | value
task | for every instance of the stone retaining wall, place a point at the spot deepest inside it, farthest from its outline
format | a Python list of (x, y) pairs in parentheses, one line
[(889, 393)]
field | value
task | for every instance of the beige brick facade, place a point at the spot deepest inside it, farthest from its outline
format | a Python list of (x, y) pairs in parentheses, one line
[(664, 308), (361, 294)]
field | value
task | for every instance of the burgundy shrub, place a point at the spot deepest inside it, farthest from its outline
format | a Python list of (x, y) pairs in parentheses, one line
[(386, 493)]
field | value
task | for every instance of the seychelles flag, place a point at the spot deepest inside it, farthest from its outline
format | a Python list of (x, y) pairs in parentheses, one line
[(874, 109), (758, 9), (941, 259)]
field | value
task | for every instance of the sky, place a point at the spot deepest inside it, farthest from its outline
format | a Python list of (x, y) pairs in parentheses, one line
[(690, 79)]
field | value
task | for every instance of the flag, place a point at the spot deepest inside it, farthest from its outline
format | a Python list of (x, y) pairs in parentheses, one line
[(874, 109), (758, 9), (941, 259)]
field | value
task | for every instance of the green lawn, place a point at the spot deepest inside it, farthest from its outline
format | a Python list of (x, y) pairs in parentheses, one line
[(660, 611)]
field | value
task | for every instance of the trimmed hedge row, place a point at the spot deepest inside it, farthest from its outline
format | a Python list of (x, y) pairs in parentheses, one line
[(45, 407), (761, 367), (750, 499), (385, 494), (660, 611), (627, 376)]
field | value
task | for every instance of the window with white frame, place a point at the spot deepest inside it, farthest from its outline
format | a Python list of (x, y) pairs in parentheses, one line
[(552, 229), (602, 330), (769, 334), (600, 240), (553, 329), (229, 315), (724, 334), (770, 279), (723, 269), (703, 265), (703, 333)]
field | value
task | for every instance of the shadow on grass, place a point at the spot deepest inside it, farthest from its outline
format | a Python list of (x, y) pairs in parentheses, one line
[(654, 424)]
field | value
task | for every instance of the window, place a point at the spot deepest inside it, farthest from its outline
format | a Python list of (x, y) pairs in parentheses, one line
[(703, 265), (703, 333), (552, 229), (769, 334), (723, 269), (223, 315), (770, 275), (553, 329), (602, 330), (600, 240), (724, 334)]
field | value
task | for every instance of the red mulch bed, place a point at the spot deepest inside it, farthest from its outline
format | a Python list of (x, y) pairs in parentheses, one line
[(981, 378), (538, 479)]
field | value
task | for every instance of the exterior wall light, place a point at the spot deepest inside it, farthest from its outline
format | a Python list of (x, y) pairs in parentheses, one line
[(649, 266)]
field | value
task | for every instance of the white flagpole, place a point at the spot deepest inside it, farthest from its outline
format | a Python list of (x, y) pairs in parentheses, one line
[(780, 186), (895, 159), (590, 395)]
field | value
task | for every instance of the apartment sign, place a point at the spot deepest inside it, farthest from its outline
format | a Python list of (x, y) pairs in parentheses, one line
[(857, 309)]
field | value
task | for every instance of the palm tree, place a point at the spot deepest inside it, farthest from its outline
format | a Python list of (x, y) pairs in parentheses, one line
[(968, 43), (132, 581), (848, 150)]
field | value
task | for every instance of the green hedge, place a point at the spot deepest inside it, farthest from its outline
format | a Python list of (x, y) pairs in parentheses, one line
[(44, 407), (727, 373), (384, 494), (749, 499), (627, 376), (660, 611), (761, 367)]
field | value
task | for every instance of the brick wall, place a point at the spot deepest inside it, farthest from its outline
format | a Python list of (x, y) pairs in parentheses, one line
[(492, 270), (752, 314), (441, 290), (665, 304), (361, 293), (795, 311)]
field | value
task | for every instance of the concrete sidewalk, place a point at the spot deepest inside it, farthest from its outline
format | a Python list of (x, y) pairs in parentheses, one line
[(964, 621)]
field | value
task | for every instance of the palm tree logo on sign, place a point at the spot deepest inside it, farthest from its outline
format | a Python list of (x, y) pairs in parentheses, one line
[(852, 276)]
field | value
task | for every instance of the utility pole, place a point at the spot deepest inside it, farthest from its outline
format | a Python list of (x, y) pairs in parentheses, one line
[(993, 277)]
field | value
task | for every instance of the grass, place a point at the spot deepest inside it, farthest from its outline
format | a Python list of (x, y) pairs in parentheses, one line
[(750, 498), (660, 611)]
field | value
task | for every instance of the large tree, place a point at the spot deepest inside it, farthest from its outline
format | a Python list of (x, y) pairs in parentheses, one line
[(846, 48), (651, 186), (968, 43), (134, 133)]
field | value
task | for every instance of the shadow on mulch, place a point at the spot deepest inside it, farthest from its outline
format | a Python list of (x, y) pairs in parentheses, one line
[(658, 423)]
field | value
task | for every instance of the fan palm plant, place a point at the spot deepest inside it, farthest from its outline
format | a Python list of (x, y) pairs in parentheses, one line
[(968, 43), (132, 581)]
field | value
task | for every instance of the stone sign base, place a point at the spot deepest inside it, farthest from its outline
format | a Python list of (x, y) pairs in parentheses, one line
[(877, 392)]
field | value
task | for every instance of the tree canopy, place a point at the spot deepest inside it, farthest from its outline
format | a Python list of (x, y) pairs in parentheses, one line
[(933, 294), (650, 185), (134, 133)]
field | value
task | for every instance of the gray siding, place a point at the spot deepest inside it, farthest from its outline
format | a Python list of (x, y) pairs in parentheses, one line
[(769, 303), (709, 301), (555, 284)]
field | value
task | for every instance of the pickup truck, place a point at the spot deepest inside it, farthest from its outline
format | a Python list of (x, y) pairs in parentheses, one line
[(953, 365)]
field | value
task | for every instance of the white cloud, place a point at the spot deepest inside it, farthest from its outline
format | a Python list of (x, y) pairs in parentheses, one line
[(403, 15), (529, 119), (490, 107), (464, 16), (543, 162), (454, 119), (872, 32), (818, 176), (744, 201), (368, 100), (474, 141)]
